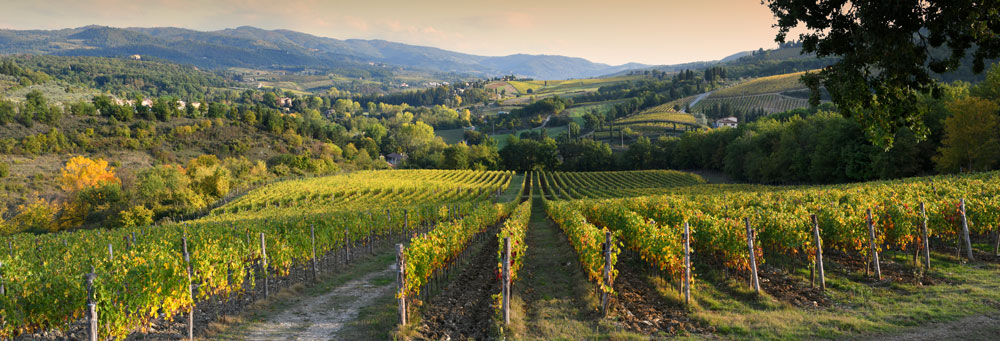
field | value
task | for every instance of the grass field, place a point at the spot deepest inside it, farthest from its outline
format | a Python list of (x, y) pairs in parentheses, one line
[(451, 136)]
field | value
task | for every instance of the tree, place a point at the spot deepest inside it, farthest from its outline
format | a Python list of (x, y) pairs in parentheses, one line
[(166, 189), (593, 121), (639, 154), (886, 50), (456, 156), (208, 176), (527, 154), (37, 216), (411, 138), (81, 172), (6, 112), (573, 129), (35, 104), (971, 137), (484, 156), (586, 155)]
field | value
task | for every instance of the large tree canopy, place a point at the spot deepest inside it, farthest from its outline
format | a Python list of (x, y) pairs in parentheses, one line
[(887, 49)]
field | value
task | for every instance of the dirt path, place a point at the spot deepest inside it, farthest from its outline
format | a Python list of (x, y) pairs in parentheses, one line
[(321, 317), (969, 328), (696, 100), (553, 298), (544, 122)]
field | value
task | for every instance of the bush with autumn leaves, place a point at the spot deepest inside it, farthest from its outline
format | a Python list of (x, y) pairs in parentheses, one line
[(97, 197)]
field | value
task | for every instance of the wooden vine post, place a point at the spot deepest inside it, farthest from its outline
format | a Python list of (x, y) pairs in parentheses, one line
[(263, 261), (505, 291), (388, 220), (927, 243), (3, 291), (312, 236), (871, 244), (371, 233), (347, 245), (965, 231), (607, 273), (111, 252), (400, 283), (819, 254), (753, 257), (91, 306), (187, 264), (687, 264)]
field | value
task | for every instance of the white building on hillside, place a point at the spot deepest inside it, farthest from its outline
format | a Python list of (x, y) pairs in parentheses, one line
[(726, 122)]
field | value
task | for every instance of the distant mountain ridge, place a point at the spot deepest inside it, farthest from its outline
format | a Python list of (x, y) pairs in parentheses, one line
[(258, 48)]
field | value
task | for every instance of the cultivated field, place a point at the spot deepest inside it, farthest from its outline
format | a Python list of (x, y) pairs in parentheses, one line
[(544, 255), (770, 103), (763, 85)]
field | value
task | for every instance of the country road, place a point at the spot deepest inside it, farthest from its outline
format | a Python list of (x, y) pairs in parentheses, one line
[(695, 101), (544, 122)]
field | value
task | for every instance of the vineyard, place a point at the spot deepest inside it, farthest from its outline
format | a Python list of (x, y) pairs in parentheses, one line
[(895, 210), (659, 113), (141, 274), (466, 264), (763, 85), (770, 103), (364, 189), (591, 185)]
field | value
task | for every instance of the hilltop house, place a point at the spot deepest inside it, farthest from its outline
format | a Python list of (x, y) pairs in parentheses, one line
[(284, 102), (395, 159), (726, 122)]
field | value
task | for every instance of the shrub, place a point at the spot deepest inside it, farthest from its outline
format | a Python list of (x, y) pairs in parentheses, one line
[(135, 217)]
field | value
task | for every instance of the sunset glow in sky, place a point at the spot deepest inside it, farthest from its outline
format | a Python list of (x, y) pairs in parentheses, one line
[(613, 32)]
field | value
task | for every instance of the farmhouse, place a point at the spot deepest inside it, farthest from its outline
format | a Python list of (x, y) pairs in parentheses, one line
[(395, 159), (726, 122)]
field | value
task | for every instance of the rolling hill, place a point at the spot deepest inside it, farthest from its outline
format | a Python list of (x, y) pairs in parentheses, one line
[(257, 48)]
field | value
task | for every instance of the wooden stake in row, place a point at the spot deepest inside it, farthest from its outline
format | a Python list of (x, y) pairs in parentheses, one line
[(871, 244), (819, 254), (505, 291), (263, 259), (91, 306), (965, 231), (927, 244), (607, 272), (312, 236), (687, 264), (3, 292), (400, 283), (755, 282), (347, 246), (187, 262)]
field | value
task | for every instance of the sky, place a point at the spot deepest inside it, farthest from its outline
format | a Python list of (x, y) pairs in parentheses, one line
[(611, 31)]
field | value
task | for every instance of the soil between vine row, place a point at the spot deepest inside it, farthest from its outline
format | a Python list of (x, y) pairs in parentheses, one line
[(463, 309)]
